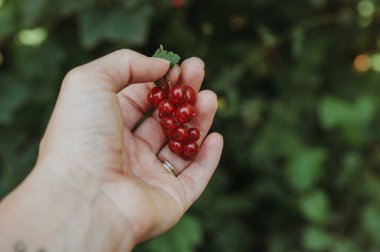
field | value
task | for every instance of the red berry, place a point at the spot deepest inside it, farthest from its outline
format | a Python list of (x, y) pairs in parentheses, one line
[(193, 135), (177, 95), (190, 149), (165, 86), (165, 109), (161, 116), (175, 146), (191, 96), (186, 157), (156, 95), (168, 125), (185, 113), (180, 133)]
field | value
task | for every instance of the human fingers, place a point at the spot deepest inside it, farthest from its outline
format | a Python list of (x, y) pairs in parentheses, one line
[(192, 73), (133, 99), (195, 178)]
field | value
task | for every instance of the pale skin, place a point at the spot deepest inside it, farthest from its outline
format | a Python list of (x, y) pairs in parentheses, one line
[(96, 185)]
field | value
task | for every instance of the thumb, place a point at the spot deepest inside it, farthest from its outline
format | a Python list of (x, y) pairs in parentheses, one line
[(116, 70)]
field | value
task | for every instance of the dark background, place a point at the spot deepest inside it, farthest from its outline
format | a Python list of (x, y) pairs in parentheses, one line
[(298, 85)]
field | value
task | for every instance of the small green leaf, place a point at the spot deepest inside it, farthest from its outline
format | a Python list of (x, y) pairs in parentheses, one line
[(371, 222), (345, 245), (184, 237), (337, 112), (33, 10), (305, 168), (315, 207), (126, 27), (352, 163), (7, 19), (316, 239), (170, 56), (352, 118), (333, 112)]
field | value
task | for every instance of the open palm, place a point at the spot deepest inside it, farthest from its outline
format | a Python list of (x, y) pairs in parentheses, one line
[(90, 135)]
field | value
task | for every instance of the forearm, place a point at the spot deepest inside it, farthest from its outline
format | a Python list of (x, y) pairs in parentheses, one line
[(40, 216)]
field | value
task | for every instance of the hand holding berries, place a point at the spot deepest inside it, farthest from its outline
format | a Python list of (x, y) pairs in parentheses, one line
[(175, 109)]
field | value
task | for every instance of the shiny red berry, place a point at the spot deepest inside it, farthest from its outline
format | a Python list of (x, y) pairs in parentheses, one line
[(186, 157), (191, 96), (190, 149), (168, 125), (184, 113), (165, 109), (180, 134), (177, 95), (193, 135), (175, 146), (156, 95)]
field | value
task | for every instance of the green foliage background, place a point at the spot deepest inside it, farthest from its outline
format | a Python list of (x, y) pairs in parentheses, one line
[(300, 169)]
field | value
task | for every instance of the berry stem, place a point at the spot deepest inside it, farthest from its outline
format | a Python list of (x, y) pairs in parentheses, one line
[(169, 84), (143, 118), (174, 59)]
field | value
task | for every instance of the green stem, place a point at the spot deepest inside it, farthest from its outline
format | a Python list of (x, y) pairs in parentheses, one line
[(142, 119)]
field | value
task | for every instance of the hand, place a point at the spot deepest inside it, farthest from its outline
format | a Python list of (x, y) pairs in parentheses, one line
[(106, 178)]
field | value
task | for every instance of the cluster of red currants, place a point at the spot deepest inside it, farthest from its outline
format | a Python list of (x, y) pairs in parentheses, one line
[(176, 108)]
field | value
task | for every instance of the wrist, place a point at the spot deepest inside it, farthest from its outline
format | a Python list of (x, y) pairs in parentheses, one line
[(47, 212)]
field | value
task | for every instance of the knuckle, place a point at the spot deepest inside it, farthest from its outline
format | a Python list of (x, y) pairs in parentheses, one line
[(42, 145), (73, 76), (124, 52), (74, 73), (211, 96)]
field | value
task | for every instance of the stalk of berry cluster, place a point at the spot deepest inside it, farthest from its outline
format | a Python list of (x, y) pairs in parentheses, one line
[(173, 59)]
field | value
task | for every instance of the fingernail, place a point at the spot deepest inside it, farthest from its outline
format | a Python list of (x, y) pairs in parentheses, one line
[(203, 63), (163, 60), (200, 61)]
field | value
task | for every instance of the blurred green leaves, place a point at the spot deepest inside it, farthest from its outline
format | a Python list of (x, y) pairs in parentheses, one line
[(315, 206), (352, 118), (305, 168), (301, 121), (116, 26), (184, 237), (7, 20), (33, 10), (371, 222), (315, 239)]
